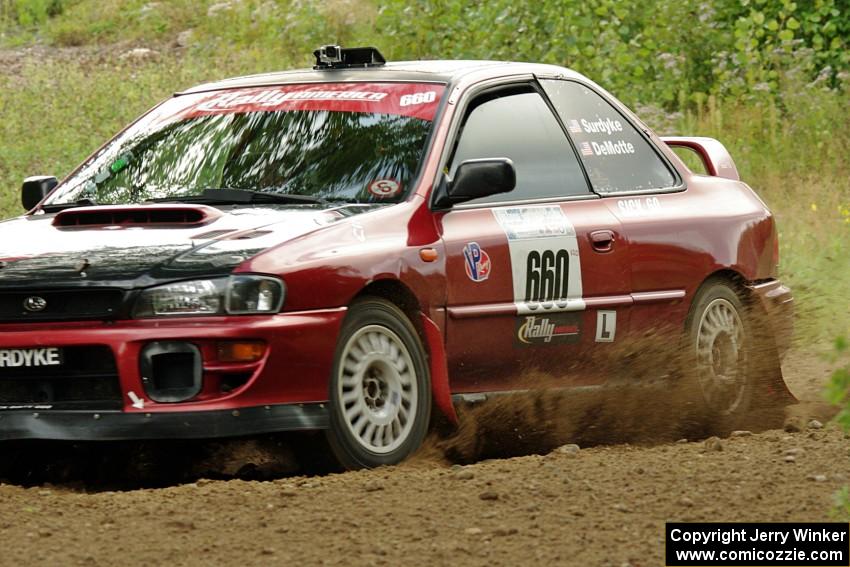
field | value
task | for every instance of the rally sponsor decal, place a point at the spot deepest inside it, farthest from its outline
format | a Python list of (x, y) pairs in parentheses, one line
[(416, 100), (385, 188), (30, 357), (606, 326), (639, 207), (550, 329), (477, 262), (545, 262)]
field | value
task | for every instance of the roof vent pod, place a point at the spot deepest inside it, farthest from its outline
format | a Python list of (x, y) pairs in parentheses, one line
[(336, 57)]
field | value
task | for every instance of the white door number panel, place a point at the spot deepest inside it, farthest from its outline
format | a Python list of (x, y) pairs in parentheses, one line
[(545, 262), (606, 326), (30, 357)]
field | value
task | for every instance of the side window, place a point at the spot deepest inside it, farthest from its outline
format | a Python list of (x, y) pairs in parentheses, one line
[(520, 126), (617, 158)]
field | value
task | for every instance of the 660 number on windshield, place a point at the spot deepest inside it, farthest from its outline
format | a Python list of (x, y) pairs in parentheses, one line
[(417, 98)]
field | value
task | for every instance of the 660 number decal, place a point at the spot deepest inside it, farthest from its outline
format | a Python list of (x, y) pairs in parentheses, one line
[(547, 277), (417, 98)]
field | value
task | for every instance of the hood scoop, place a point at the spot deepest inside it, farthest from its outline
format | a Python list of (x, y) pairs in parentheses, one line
[(121, 216)]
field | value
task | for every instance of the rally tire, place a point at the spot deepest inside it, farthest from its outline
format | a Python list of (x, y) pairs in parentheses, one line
[(380, 387), (719, 350)]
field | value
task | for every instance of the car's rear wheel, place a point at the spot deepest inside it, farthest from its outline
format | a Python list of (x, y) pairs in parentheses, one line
[(380, 391), (719, 349)]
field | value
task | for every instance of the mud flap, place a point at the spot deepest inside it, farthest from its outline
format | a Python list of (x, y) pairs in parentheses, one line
[(767, 355), (439, 369)]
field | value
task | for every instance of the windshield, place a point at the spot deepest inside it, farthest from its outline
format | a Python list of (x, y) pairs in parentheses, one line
[(353, 142)]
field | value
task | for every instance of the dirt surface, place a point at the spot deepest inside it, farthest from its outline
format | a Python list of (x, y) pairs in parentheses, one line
[(603, 505)]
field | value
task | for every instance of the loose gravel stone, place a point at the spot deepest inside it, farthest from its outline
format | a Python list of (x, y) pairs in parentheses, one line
[(712, 444), (740, 433), (489, 495), (572, 449), (815, 424)]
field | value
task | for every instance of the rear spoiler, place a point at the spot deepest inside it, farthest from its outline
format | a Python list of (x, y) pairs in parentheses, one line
[(713, 154)]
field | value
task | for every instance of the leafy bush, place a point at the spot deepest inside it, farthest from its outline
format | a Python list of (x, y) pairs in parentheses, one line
[(672, 53)]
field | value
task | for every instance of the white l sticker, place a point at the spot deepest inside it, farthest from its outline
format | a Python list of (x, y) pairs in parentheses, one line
[(606, 326)]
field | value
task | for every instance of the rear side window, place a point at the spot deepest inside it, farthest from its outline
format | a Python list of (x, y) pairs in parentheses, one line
[(521, 127), (617, 157)]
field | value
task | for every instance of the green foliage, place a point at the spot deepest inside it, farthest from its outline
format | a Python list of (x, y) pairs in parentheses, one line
[(667, 52), (29, 13), (838, 389), (674, 54)]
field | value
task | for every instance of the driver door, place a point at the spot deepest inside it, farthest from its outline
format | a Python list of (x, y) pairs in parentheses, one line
[(534, 275)]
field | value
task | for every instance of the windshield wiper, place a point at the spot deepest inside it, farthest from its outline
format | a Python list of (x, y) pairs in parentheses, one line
[(238, 197), (55, 208)]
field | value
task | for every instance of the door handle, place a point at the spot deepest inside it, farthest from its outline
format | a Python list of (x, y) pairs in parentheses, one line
[(602, 240)]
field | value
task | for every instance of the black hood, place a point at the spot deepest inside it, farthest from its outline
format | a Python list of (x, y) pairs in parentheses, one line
[(34, 253)]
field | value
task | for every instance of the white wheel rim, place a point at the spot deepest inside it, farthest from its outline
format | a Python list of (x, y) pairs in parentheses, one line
[(721, 357), (376, 386)]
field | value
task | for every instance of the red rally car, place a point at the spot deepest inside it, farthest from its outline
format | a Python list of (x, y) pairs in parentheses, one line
[(358, 246)]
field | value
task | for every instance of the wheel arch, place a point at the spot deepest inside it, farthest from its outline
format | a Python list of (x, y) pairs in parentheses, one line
[(397, 293), (738, 282)]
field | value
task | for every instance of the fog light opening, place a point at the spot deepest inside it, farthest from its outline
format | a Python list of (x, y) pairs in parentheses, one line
[(171, 371)]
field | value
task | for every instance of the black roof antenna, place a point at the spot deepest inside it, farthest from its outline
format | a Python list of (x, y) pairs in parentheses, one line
[(336, 57)]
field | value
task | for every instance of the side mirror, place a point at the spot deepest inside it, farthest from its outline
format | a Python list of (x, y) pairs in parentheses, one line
[(35, 189), (476, 178)]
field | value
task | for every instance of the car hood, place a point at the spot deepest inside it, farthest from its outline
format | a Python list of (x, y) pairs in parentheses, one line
[(35, 251)]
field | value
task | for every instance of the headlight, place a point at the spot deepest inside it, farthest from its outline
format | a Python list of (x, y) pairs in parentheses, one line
[(237, 295)]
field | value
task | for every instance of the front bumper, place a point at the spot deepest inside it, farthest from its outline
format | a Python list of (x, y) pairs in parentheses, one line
[(118, 426), (285, 390)]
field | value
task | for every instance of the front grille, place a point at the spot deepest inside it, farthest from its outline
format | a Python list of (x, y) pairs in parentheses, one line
[(86, 379), (60, 305)]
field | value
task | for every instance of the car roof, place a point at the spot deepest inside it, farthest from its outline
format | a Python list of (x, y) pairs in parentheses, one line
[(442, 71)]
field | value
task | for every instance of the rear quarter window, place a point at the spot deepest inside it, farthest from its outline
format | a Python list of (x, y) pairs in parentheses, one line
[(616, 156)]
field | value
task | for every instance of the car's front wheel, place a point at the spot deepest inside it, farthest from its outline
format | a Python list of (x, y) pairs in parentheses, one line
[(380, 391)]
